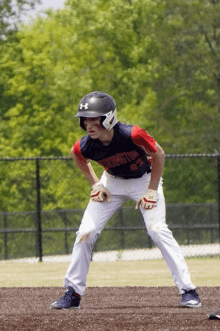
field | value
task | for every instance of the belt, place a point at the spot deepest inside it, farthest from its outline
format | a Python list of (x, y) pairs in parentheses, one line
[(120, 177)]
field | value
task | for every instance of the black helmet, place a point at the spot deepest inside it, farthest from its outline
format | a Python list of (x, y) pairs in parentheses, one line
[(97, 104)]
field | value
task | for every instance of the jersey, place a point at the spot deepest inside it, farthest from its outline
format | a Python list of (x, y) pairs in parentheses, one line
[(125, 156)]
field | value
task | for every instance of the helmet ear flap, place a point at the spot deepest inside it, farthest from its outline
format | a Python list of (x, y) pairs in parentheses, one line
[(81, 123), (110, 120)]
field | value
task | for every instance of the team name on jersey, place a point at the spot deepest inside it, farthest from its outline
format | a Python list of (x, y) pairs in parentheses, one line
[(119, 159)]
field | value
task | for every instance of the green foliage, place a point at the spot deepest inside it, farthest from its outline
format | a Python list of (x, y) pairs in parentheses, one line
[(190, 180), (10, 16), (188, 84)]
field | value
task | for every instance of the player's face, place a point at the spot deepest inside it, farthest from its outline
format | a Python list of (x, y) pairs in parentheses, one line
[(94, 127)]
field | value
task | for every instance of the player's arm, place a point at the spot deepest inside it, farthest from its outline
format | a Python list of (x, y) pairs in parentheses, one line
[(83, 163), (149, 200), (99, 192), (87, 169), (157, 166), (141, 138)]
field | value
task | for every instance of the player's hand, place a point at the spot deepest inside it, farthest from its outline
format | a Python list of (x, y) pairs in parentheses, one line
[(148, 201), (100, 193)]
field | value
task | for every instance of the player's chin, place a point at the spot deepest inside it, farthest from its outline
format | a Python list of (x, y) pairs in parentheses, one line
[(93, 135)]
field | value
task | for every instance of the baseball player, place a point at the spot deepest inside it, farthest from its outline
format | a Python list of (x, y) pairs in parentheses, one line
[(124, 152)]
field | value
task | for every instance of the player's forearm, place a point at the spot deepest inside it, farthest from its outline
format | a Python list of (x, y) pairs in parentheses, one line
[(155, 175), (87, 170), (156, 171)]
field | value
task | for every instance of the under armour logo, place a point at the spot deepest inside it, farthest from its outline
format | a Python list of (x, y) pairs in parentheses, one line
[(86, 106)]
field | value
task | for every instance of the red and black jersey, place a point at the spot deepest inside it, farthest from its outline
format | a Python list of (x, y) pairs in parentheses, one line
[(125, 156)]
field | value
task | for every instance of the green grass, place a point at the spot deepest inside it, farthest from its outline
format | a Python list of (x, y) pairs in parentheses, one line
[(204, 272)]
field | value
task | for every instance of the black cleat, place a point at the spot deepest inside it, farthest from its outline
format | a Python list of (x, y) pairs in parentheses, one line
[(70, 300), (190, 299)]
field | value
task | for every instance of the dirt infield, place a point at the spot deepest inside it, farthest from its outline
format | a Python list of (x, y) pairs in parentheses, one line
[(107, 308)]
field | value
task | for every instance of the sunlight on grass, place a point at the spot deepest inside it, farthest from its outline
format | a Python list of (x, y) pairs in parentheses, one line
[(204, 272)]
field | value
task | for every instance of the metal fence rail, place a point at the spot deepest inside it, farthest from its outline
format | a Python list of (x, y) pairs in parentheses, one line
[(59, 240), (40, 232)]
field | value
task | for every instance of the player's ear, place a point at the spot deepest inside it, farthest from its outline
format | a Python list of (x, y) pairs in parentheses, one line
[(102, 118)]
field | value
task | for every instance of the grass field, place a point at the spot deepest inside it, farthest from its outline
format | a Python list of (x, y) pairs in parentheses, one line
[(204, 272)]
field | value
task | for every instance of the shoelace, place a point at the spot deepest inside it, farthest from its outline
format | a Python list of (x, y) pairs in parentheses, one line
[(67, 296), (189, 294)]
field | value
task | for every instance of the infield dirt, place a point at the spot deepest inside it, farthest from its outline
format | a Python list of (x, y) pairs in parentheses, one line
[(107, 308)]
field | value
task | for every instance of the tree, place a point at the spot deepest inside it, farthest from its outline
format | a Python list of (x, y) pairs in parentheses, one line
[(188, 76), (10, 15)]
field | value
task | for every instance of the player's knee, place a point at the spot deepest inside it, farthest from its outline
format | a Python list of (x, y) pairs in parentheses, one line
[(155, 231), (93, 238)]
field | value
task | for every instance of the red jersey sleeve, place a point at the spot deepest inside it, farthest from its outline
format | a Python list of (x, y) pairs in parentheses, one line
[(76, 150), (141, 138)]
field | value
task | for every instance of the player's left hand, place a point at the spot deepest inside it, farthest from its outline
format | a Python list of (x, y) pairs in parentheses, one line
[(100, 193), (148, 201)]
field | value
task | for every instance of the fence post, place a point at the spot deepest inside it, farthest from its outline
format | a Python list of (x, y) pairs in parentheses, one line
[(5, 238), (39, 229), (218, 188)]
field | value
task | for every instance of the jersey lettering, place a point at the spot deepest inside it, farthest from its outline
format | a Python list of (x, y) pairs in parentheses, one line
[(119, 159)]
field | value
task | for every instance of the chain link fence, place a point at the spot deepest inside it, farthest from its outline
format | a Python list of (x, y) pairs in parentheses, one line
[(39, 215)]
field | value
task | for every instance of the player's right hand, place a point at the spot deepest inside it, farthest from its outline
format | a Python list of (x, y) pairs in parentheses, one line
[(100, 193)]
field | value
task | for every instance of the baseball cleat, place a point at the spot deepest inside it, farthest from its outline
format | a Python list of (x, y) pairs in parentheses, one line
[(190, 299), (215, 315), (70, 300)]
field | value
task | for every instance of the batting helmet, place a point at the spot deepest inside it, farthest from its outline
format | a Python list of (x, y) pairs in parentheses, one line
[(97, 104)]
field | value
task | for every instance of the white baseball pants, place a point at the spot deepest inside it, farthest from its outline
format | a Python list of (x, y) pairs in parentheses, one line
[(96, 216)]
